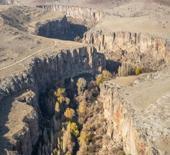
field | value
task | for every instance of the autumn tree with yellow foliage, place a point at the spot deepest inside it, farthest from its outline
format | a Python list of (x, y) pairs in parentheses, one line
[(69, 113)]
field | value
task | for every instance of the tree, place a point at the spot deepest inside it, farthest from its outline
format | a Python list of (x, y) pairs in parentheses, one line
[(69, 113), (73, 128), (60, 94)]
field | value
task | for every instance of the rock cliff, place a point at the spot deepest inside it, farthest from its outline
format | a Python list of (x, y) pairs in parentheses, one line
[(81, 13), (41, 74), (136, 48), (137, 121)]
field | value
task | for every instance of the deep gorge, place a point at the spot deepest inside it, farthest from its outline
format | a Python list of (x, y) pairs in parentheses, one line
[(63, 29), (74, 108), (30, 86)]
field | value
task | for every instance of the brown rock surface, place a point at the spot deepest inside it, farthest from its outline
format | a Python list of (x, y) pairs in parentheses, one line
[(136, 108), (138, 114)]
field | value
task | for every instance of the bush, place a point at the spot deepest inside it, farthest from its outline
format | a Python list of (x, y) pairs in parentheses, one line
[(99, 79), (138, 70), (60, 94), (69, 113), (73, 128), (105, 75), (121, 152)]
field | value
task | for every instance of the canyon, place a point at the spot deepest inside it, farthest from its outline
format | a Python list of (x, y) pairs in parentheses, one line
[(91, 54)]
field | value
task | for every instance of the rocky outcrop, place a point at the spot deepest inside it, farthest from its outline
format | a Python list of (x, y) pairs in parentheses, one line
[(137, 48), (41, 73), (137, 122), (81, 13)]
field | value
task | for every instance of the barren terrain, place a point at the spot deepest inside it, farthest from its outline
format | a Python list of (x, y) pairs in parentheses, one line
[(49, 45)]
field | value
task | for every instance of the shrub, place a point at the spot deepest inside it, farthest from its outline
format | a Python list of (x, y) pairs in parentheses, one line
[(73, 128), (69, 113), (138, 70), (105, 75), (81, 85), (121, 152), (99, 79), (60, 94)]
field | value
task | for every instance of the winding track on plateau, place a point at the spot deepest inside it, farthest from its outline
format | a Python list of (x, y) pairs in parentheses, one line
[(27, 57)]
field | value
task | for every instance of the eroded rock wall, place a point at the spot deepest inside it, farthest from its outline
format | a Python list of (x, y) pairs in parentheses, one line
[(137, 48), (42, 73), (82, 13), (123, 130)]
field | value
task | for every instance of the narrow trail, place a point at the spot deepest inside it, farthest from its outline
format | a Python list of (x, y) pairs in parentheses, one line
[(27, 57)]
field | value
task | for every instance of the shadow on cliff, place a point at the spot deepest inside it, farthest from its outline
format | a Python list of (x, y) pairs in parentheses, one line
[(112, 66), (4, 114), (72, 32)]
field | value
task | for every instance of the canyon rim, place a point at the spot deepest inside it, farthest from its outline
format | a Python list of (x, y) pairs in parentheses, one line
[(87, 77)]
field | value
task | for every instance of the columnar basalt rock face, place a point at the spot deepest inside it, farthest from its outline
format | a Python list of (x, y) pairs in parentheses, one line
[(133, 46), (82, 13), (41, 74)]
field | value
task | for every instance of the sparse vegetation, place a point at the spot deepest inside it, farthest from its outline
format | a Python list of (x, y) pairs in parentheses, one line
[(105, 75), (73, 128), (69, 113), (127, 69), (121, 152), (138, 70), (60, 94)]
